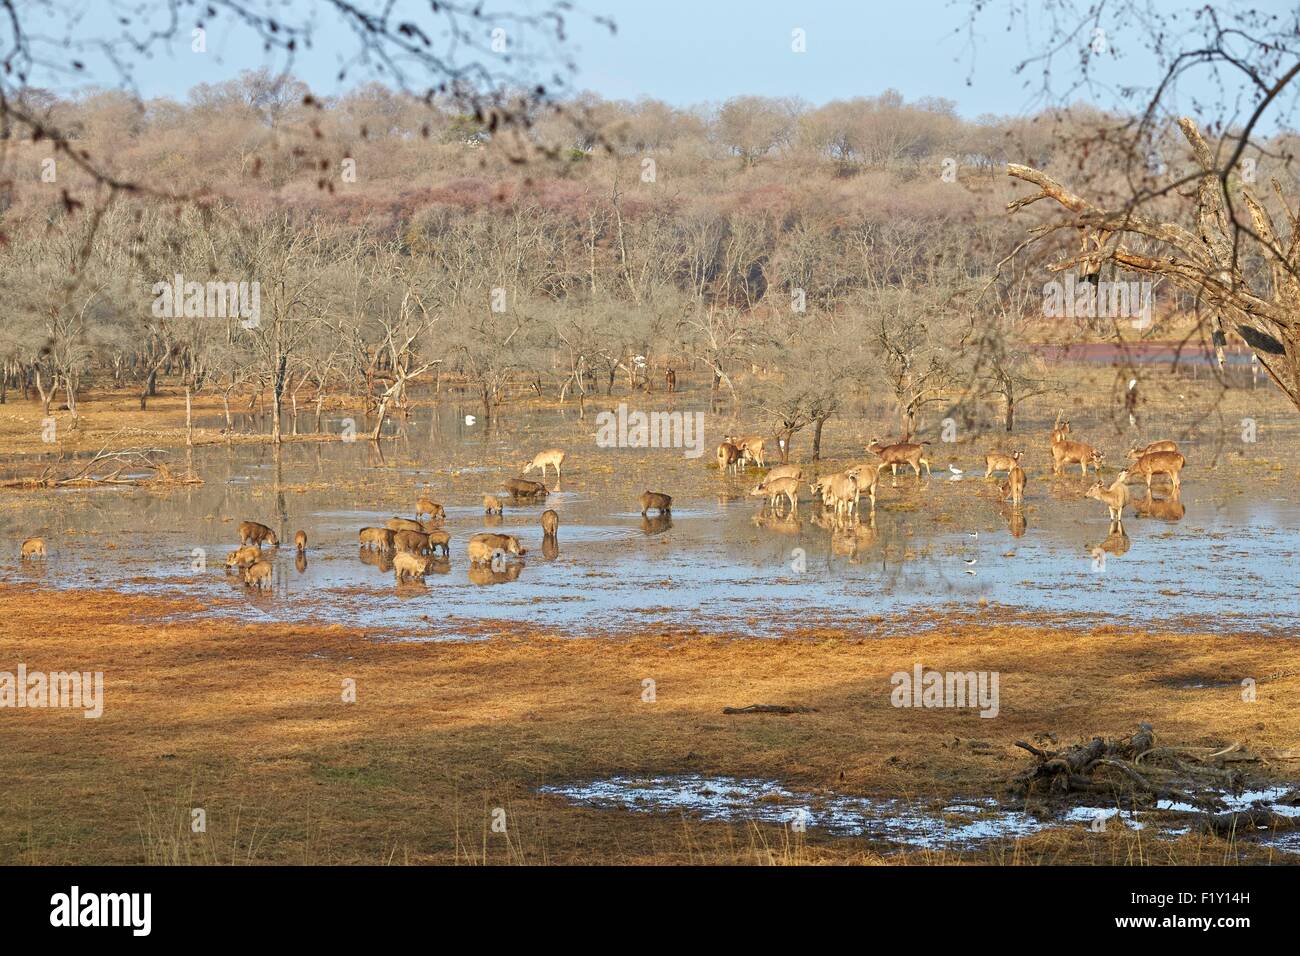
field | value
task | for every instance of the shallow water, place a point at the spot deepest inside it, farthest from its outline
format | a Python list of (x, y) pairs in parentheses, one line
[(957, 825), (717, 564)]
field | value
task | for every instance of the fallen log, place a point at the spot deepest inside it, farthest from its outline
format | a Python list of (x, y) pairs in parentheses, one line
[(770, 709)]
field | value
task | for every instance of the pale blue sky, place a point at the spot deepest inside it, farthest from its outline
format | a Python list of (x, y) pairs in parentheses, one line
[(694, 51)]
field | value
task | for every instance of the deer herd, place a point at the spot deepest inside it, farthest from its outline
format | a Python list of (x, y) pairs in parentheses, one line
[(841, 493), (412, 547)]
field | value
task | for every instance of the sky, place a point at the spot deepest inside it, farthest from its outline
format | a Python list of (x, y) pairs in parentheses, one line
[(695, 51)]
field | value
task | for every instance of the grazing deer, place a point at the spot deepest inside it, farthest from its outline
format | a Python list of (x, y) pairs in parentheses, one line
[(491, 505), (774, 491), (900, 453), (1115, 497), (1160, 463), (32, 548), (784, 471), (550, 522), (554, 457), (300, 541), (1001, 461), (1155, 446)]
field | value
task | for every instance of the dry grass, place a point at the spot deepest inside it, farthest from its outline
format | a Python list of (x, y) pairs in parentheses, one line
[(247, 722)]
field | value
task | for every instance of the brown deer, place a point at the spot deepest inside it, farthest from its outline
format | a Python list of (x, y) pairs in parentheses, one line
[(32, 548), (1066, 452), (774, 491), (1001, 461), (670, 377), (900, 453), (1155, 446), (728, 458), (550, 522), (1115, 497), (300, 541), (1160, 463), (1015, 485), (491, 505)]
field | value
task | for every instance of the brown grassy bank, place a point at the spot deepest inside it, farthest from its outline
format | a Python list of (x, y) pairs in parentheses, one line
[(248, 723)]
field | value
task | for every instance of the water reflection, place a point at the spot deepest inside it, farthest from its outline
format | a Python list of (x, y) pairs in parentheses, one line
[(501, 574), (550, 547), (1165, 509), (656, 524)]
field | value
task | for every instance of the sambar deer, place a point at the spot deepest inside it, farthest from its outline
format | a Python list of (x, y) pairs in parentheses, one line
[(32, 548)]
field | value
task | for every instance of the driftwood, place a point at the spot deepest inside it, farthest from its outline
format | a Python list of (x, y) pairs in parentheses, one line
[(1133, 772), (105, 467), (769, 709), (1128, 771)]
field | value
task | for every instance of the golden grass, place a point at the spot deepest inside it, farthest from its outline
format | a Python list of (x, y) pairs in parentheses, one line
[(248, 723)]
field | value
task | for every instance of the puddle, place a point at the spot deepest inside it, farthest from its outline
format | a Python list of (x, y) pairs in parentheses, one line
[(961, 824)]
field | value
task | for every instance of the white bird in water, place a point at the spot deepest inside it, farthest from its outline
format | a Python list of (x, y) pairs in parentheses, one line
[(955, 470), (470, 419), (970, 560), (973, 534)]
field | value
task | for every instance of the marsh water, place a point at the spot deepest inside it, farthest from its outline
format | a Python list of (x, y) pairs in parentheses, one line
[(946, 825), (1221, 556)]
